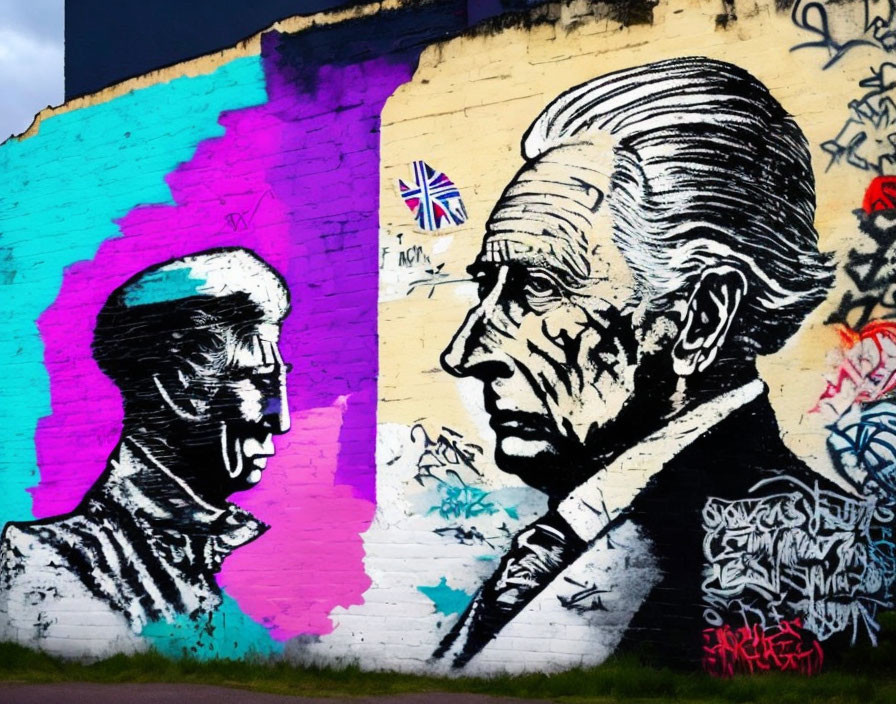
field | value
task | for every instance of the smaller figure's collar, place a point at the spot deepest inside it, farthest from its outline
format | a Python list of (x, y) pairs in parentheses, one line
[(591, 506), (163, 502)]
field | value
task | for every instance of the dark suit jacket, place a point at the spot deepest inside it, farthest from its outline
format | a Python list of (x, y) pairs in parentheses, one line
[(723, 465), (138, 542)]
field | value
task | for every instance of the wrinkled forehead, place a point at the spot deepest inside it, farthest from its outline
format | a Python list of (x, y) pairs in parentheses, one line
[(554, 215)]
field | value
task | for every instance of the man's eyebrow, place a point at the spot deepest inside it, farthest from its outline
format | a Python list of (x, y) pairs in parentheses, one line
[(562, 276), (270, 367)]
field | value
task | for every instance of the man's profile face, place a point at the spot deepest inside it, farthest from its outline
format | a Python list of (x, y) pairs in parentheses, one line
[(560, 328), (246, 406)]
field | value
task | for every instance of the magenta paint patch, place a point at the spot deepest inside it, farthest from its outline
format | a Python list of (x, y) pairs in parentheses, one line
[(308, 205), (311, 560)]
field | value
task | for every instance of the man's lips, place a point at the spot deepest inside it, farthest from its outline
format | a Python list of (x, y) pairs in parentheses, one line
[(520, 424), (257, 463), (256, 451)]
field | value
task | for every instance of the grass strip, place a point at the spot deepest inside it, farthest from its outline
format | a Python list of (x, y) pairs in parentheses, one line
[(864, 675)]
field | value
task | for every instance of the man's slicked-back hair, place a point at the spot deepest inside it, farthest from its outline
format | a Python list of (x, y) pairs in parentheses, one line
[(709, 170), (181, 315)]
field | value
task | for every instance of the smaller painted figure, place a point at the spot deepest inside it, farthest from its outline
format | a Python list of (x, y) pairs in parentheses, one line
[(192, 344)]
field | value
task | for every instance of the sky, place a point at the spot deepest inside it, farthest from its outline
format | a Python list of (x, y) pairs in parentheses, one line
[(31, 61)]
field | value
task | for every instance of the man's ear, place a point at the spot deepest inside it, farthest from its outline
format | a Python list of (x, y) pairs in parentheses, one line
[(179, 395), (710, 312)]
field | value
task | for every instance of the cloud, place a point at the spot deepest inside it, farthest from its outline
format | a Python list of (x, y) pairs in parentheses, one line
[(31, 61), (40, 18)]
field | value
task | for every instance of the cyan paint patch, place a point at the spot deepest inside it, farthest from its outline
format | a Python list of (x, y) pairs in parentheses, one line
[(447, 600), (161, 286), (460, 500), (226, 633), (54, 213)]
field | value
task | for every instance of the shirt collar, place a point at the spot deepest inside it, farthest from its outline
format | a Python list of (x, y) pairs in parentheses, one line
[(163, 501), (591, 506)]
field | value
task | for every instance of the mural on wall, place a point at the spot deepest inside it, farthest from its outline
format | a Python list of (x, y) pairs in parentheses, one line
[(171, 186), (658, 237), (585, 354), (192, 345)]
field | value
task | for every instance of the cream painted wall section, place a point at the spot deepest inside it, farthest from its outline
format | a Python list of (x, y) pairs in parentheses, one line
[(465, 112), (445, 515)]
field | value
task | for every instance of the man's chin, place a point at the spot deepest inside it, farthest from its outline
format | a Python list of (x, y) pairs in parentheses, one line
[(252, 474), (253, 477), (533, 461)]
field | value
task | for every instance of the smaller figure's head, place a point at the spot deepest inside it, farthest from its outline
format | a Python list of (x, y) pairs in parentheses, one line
[(657, 238), (193, 345)]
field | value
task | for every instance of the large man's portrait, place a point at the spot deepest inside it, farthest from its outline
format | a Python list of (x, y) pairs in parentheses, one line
[(659, 237), (192, 345)]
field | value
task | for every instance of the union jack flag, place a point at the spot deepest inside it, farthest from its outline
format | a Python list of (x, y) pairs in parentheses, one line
[(433, 199)]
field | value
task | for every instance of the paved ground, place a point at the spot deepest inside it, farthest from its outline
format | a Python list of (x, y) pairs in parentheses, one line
[(87, 693)]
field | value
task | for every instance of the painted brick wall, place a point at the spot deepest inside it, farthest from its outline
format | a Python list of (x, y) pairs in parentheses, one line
[(260, 403)]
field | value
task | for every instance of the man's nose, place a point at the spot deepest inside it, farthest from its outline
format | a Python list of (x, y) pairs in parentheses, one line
[(277, 411), (475, 348)]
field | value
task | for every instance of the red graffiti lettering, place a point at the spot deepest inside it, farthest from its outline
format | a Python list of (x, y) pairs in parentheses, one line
[(881, 195), (867, 368), (787, 647)]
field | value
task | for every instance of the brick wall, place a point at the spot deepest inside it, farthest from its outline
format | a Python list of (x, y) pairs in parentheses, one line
[(622, 483)]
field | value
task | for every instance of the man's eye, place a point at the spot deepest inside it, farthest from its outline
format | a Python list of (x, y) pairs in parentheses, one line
[(254, 373), (541, 287), (484, 283)]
